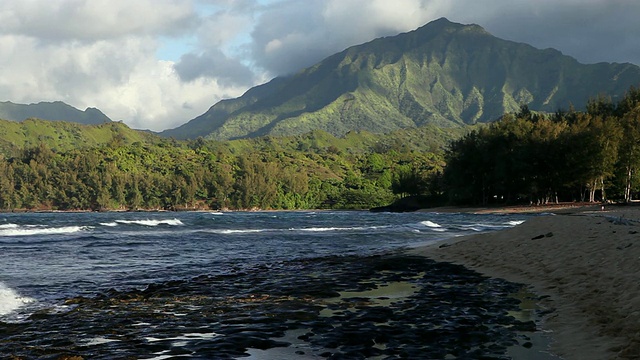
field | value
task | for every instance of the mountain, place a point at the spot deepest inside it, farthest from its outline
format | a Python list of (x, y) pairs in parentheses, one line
[(55, 111), (63, 135), (443, 73)]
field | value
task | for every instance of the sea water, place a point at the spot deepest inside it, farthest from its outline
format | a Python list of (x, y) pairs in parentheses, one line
[(47, 258)]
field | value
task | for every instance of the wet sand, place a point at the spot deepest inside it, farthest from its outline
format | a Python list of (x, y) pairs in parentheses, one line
[(585, 264)]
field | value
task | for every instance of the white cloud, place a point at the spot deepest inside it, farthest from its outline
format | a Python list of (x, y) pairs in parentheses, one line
[(87, 20), (103, 53), (155, 98), (288, 38), (121, 77)]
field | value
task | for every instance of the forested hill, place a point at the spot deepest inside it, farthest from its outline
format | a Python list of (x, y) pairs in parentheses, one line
[(442, 73), (63, 136), (56, 111), (110, 166)]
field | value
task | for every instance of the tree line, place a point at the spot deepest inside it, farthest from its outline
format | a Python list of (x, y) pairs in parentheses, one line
[(527, 157), (267, 173)]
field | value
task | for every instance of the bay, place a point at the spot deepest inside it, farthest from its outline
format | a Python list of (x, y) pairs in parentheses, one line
[(65, 265)]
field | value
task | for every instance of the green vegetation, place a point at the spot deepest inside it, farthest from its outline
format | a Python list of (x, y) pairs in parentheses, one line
[(111, 167), (525, 157), (536, 158), (444, 74), (63, 136)]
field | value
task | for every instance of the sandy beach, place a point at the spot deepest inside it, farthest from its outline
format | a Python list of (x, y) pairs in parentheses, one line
[(585, 265)]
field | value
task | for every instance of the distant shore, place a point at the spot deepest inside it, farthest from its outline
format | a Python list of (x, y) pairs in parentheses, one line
[(584, 262), (561, 208)]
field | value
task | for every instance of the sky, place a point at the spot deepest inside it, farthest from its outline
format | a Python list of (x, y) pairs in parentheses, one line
[(156, 64)]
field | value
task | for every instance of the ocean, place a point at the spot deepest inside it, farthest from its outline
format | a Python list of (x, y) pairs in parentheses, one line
[(261, 285)]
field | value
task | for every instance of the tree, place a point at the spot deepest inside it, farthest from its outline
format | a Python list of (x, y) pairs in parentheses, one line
[(629, 160)]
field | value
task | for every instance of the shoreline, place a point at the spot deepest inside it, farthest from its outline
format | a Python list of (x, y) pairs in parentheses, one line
[(584, 264)]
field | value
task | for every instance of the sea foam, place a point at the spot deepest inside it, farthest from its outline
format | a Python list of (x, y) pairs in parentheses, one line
[(37, 230), (11, 301), (515, 222), (148, 222), (430, 224)]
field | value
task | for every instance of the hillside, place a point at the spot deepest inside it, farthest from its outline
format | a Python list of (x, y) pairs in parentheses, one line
[(57, 111), (442, 73), (62, 136)]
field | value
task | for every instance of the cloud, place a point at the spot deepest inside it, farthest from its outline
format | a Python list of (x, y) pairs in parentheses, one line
[(215, 65), (103, 53), (589, 30), (88, 20), (294, 35), (120, 77)]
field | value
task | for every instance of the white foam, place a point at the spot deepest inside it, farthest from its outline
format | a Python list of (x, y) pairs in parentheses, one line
[(216, 213), (99, 341), (326, 229), (36, 230), (185, 337), (430, 224), (515, 222), (110, 224), (11, 301), (9, 226), (323, 229), (480, 227), (236, 231), (148, 222)]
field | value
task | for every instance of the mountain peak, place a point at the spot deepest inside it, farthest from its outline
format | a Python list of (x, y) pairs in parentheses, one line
[(444, 25), (442, 73), (53, 110)]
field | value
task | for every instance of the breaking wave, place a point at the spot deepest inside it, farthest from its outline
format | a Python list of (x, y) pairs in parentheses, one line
[(430, 224), (11, 301), (17, 230), (515, 222), (148, 222)]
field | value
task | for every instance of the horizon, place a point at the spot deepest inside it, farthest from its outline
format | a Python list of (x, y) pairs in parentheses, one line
[(160, 71)]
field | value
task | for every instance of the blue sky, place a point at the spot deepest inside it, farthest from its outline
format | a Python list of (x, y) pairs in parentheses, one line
[(156, 64)]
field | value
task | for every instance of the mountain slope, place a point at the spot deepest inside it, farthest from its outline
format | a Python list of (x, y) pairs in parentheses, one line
[(62, 135), (441, 73), (55, 111)]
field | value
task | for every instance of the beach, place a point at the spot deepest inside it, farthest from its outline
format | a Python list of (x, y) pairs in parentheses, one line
[(583, 263)]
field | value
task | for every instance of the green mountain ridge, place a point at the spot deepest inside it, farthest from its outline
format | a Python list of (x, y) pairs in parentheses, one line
[(443, 73), (64, 136), (54, 111)]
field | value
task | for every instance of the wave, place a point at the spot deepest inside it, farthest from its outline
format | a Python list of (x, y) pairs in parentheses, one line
[(36, 230), (414, 227), (9, 226), (110, 224), (216, 213), (148, 222), (237, 231), (310, 229), (480, 227), (10, 300), (325, 229), (430, 224), (515, 222)]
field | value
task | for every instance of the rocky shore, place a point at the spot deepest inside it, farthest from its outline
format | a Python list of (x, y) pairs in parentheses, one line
[(383, 307), (583, 263)]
